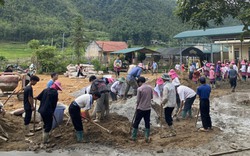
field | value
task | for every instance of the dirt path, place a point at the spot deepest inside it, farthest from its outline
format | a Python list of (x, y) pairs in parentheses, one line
[(187, 135)]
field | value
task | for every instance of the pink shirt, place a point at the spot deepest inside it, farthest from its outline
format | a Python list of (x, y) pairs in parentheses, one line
[(144, 96), (211, 74)]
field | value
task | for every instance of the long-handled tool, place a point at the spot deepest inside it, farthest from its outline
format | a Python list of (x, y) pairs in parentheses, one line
[(107, 130), (34, 120), (132, 122), (11, 95), (198, 112), (59, 135)]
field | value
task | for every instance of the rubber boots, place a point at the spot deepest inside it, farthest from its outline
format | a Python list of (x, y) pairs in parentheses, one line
[(134, 134), (98, 117), (172, 131), (27, 131), (147, 133), (79, 136), (45, 137)]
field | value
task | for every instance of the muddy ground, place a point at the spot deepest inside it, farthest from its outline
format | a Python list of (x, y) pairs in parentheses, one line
[(187, 134)]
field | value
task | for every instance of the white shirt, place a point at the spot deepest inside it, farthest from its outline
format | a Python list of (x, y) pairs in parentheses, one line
[(87, 89), (197, 65), (177, 67), (176, 81), (185, 92), (169, 95), (235, 67), (85, 101), (243, 68), (116, 87), (248, 69)]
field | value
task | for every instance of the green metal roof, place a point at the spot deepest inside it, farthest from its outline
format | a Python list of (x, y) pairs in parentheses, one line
[(211, 32), (139, 49), (128, 50)]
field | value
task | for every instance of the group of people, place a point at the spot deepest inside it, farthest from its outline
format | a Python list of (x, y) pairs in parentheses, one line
[(172, 95), (168, 89), (221, 72)]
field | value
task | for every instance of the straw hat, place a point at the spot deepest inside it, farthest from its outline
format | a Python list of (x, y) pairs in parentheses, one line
[(165, 77), (121, 79)]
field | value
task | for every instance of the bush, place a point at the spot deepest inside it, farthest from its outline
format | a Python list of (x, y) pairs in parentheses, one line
[(97, 64)]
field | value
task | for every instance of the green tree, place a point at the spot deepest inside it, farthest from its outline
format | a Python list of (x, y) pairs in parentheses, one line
[(201, 12), (1, 2), (34, 44), (46, 58), (78, 38)]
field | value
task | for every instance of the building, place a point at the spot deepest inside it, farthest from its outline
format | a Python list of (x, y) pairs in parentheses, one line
[(232, 38), (102, 49)]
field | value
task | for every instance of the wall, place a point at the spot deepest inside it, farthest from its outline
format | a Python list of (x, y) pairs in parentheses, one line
[(93, 50)]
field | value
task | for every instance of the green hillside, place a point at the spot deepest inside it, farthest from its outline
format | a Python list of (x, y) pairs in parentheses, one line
[(137, 21)]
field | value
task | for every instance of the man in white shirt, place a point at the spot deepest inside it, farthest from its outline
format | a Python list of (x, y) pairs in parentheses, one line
[(116, 87), (187, 97), (84, 101)]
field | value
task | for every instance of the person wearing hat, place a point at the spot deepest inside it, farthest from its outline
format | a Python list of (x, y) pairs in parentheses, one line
[(143, 108), (187, 97), (84, 101), (243, 70), (159, 87), (168, 102), (131, 79), (212, 77), (204, 91), (116, 86), (48, 100), (28, 103), (232, 75), (9, 68), (176, 82), (102, 104)]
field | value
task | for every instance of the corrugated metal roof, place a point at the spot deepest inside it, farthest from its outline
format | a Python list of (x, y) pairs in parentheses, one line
[(139, 49), (165, 52), (128, 50), (110, 46), (211, 32)]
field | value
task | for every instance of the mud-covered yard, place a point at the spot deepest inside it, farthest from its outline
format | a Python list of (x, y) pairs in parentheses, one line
[(187, 139)]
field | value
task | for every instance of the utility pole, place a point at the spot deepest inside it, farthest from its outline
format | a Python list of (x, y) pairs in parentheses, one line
[(63, 43)]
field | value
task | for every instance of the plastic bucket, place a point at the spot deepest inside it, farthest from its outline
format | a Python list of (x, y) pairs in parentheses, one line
[(59, 112)]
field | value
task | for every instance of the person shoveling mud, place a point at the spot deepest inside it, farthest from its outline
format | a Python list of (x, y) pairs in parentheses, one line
[(84, 101)]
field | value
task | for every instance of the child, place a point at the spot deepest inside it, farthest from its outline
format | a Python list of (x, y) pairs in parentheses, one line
[(212, 77)]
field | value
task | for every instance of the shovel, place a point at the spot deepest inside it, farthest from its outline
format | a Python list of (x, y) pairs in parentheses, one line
[(34, 120)]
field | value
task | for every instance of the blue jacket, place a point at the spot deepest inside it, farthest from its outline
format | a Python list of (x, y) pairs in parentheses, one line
[(135, 72)]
